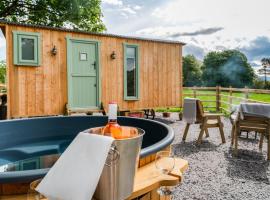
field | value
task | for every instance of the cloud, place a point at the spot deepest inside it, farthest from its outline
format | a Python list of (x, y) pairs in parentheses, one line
[(137, 7), (206, 31), (212, 13), (257, 48), (157, 31), (205, 26), (173, 31), (118, 8), (128, 10), (113, 2), (197, 51), (255, 64)]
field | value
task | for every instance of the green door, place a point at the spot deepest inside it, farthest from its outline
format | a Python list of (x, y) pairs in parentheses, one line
[(82, 74)]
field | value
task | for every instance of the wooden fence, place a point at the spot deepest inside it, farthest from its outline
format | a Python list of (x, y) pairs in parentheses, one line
[(2, 89), (223, 97)]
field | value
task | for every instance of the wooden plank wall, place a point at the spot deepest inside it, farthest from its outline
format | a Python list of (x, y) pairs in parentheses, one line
[(41, 91)]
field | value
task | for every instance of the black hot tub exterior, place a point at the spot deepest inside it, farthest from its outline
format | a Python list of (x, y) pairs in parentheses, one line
[(23, 138)]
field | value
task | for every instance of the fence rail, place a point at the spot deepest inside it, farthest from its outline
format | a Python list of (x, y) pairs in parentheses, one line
[(2, 89), (225, 102)]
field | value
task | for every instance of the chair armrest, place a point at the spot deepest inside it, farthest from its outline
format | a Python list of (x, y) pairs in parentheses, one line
[(213, 114)]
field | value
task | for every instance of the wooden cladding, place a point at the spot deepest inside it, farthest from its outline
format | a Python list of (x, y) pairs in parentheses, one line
[(42, 91)]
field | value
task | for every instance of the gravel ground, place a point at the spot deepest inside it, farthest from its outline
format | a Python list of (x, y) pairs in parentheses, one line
[(213, 173)]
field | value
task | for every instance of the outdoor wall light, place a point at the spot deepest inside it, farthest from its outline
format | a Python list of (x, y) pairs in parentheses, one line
[(54, 50), (113, 55)]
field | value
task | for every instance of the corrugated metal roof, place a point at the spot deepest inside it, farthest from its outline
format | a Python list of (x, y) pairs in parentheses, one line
[(86, 32)]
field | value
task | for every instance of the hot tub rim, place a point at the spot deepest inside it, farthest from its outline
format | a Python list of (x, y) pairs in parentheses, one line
[(30, 175)]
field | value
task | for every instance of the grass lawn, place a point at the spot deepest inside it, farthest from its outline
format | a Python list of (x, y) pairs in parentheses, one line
[(253, 96)]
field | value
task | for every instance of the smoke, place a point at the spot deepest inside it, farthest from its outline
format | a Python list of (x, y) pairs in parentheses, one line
[(232, 71), (235, 71)]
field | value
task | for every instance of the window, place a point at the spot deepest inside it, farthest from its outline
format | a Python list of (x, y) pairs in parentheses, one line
[(26, 48), (131, 72)]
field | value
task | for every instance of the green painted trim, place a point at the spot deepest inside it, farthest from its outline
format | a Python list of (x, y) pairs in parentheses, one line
[(17, 60), (20, 37), (69, 61), (15, 48), (99, 83), (83, 40), (137, 51)]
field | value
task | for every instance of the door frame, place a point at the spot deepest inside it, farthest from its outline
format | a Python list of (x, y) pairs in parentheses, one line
[(97, 43)]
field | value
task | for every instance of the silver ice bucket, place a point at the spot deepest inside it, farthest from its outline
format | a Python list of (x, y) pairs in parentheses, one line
[(117, 178)]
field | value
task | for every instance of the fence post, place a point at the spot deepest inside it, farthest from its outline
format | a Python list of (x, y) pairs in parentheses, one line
[(217, 98), (194, 92), (230, 98), (246, 94)]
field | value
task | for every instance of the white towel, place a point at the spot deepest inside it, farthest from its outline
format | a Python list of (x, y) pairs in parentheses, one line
[(190, 110), (234, 112), (76, 173), (254, 109)]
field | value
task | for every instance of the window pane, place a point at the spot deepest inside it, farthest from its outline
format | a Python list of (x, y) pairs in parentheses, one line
[(28, 49), (131, 77), (131, 52)]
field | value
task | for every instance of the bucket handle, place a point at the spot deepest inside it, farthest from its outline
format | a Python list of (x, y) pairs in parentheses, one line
[(113, 156)]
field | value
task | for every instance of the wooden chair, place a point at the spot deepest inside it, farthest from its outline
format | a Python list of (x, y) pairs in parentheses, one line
[(149, 112), (252, 123), (206, 120), (233, 120)]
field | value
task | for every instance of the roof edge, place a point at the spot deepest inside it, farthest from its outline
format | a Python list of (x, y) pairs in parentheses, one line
[(91, 33)]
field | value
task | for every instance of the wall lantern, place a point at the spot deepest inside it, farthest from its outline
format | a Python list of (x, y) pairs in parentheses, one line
[(113, 55), (54, 51)]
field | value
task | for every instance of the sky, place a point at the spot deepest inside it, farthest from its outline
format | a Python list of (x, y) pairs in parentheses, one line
[(208, 25), (2, 47)]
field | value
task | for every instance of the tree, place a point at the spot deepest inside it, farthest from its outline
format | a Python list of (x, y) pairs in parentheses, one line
[(2, 71), (76, 14), (227, 68), (191, 71), (264, 70), (259, 84)]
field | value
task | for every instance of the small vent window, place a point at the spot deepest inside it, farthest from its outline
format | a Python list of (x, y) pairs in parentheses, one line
[(26, 48)]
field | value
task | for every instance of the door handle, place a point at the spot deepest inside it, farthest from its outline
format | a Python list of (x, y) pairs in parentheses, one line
[(94, 64), (95, 85)]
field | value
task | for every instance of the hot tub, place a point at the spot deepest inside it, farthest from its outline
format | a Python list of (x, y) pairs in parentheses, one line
[(27, 138)]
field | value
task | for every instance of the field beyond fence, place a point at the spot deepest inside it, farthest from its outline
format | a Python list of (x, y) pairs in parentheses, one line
[(224, 99)]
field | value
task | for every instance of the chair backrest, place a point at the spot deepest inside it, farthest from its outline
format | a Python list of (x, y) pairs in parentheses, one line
[(254, 123), (200, 111)]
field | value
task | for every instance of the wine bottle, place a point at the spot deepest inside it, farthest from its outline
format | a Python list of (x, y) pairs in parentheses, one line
[(112, 128)]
